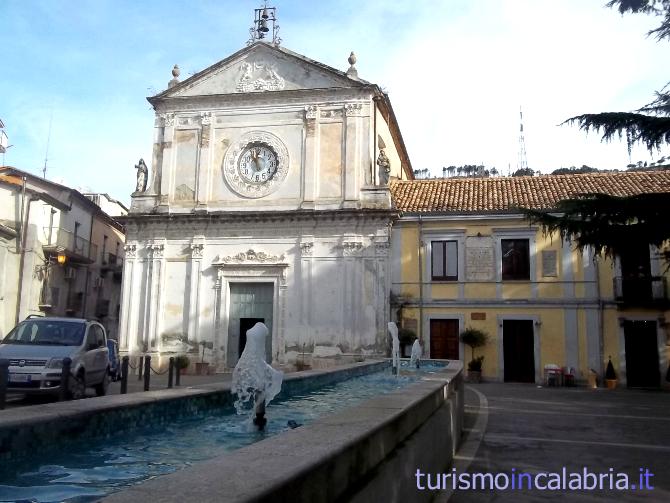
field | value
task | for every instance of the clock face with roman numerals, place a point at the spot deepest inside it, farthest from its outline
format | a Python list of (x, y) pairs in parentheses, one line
[(257, 164)]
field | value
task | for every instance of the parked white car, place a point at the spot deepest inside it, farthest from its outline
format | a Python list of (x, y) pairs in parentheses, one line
[(37, 346)]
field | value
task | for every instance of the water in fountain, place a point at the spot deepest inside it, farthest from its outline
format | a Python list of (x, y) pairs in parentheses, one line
[(395, 354), (415, 357), (254, 381)]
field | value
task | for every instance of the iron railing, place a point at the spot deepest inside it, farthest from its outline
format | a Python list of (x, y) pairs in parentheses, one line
[(649, 289), (58, 239)]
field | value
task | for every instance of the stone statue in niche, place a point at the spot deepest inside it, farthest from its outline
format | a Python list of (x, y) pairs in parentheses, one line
[(142, 176), (384, 167)]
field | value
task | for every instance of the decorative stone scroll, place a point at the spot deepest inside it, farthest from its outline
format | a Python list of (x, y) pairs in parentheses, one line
[(307, 248), (259, 76), (311, 112), (205, 118), (251, 256), (130, 251), (156, 250), (196, 250), (350, 248), (168, 119), (353, 109)]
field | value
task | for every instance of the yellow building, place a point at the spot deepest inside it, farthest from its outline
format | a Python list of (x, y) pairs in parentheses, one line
[(464, 257)]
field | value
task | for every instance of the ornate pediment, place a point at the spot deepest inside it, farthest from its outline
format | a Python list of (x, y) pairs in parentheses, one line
[(261, 68)]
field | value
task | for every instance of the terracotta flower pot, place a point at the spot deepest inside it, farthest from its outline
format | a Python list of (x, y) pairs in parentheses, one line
[(475, 376), (611, 383)]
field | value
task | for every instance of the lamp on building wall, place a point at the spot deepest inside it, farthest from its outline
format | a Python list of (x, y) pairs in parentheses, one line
[(61, 258)]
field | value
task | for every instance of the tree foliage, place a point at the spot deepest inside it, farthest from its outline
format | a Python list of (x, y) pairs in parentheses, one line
[(650, 124), (610, 225)]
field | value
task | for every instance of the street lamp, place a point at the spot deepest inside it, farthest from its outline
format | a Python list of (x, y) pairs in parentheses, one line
[(61, 258)]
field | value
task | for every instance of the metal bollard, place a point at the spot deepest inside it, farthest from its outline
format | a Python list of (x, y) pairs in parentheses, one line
[(170, 371), (177, 376), (147, 372), (65, 379), (4, 381), (139, 368), (124, 374)]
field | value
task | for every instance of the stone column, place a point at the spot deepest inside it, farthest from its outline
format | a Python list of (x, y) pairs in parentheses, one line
[(129, 301), (167, 155), (352, 153), (154, 299), (197, 247), (220, 325), (311, 164), (202, 172)]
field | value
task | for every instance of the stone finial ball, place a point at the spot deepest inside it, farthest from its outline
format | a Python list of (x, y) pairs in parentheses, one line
[(352, 58), (175, 71)]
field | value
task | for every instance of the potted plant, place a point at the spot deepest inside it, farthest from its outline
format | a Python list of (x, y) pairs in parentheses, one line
[(474, 338), (475, 369), (181, 362), (610, 375), (202, 367)]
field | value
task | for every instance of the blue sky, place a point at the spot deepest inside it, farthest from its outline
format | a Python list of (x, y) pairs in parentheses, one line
[(456, 71)]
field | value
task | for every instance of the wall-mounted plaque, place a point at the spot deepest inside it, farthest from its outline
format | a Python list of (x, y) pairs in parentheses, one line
[(479, 259)]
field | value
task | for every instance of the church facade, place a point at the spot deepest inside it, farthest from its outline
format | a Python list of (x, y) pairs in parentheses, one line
[(267, 200)]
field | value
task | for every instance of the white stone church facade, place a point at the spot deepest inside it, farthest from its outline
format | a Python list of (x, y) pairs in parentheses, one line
[(267, 201)]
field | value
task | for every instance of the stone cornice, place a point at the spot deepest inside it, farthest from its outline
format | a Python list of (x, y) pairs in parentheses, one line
[(297, 97), (262, 216)]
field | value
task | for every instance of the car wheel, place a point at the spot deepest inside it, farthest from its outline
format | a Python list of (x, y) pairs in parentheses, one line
[(101, 389), (78, 387)]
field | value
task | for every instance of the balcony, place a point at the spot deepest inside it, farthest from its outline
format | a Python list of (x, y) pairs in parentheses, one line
[(75, 248), (111, 262), (648, 291)]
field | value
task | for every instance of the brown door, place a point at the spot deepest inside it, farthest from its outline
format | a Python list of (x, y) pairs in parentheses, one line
[(444, 339)]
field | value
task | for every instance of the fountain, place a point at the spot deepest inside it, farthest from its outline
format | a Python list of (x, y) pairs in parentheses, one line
[(395, 354), (254, 381), (415, 357)]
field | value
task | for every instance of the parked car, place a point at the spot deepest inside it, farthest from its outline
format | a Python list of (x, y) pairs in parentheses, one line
[(37, 346), (114, 360)]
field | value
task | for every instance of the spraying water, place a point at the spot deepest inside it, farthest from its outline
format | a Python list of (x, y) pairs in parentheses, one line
[(254, 381), (395, 354), (415, 357)]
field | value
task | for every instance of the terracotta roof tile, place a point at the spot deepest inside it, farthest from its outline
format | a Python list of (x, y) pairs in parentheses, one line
[(493, 195)]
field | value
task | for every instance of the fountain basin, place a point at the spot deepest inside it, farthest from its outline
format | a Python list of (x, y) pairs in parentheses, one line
[(367, 452), (77, 422)]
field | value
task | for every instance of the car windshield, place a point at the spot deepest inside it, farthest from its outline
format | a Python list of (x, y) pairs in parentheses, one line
[(47, 332)]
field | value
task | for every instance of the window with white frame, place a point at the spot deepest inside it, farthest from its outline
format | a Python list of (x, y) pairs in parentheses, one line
[(444, 260), (515, 255)]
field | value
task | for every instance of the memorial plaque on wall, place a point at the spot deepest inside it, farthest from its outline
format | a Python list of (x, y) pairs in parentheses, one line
[(549, 268), (479, 265)]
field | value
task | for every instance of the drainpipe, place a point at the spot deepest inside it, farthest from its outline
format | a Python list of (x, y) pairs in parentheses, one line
[(25, 218), (421, 278), (601, 318)]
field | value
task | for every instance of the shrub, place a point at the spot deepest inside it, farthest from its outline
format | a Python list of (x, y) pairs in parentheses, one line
[(181, 361), (474, 338), (405, 335)]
